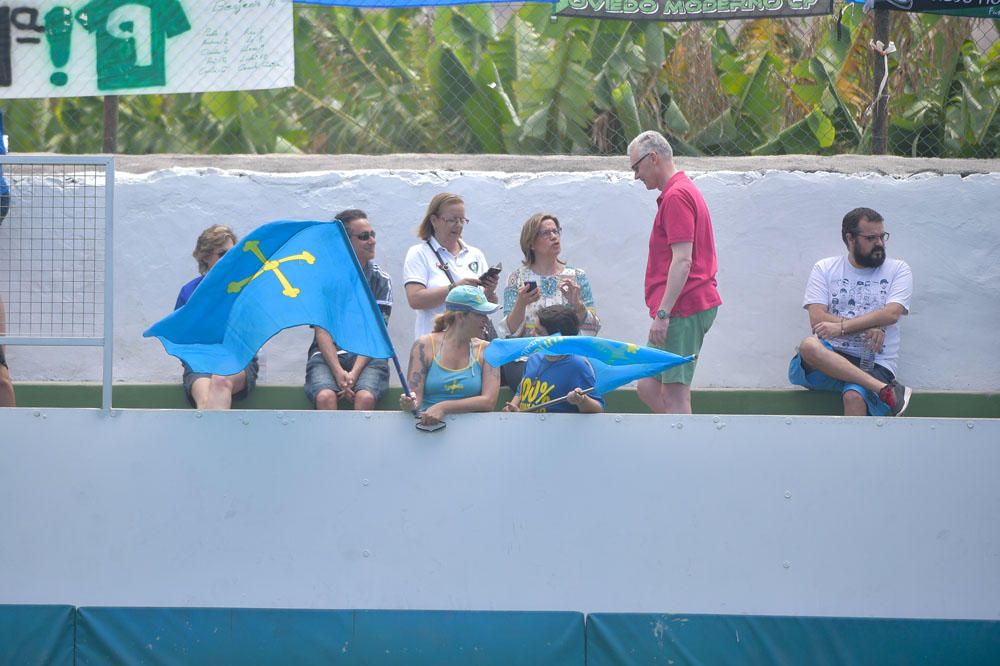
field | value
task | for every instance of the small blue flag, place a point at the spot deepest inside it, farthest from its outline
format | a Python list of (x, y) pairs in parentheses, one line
[(615, 363), (284, 274)]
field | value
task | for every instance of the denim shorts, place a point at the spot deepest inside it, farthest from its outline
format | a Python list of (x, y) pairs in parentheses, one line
[(190, 376), (374, 378), (800, 374)]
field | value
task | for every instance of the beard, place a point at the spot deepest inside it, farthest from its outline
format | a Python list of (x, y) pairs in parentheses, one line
[(873, 259)]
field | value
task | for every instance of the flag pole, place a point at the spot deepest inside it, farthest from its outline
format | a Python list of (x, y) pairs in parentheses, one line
[(556, 401), (371, 301)]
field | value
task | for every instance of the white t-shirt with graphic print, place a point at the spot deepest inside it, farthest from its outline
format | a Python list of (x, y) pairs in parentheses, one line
[(850, 292)]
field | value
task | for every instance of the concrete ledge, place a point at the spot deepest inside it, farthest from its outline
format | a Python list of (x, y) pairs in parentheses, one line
[(886, 165), (623, 401)]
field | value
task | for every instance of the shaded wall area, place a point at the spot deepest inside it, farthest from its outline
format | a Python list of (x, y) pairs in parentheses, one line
[(773, 219)]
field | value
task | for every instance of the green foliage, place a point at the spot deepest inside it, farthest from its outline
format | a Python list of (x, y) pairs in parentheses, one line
[(956, 115), (463, 79)]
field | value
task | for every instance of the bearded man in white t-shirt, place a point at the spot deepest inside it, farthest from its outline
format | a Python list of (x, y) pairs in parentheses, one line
[(854, 303)]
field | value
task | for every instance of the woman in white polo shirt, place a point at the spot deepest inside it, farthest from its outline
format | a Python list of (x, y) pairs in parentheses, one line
[(440, 252)]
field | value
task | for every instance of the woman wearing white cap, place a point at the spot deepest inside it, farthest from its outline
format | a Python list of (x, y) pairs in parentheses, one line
[(447, 372)]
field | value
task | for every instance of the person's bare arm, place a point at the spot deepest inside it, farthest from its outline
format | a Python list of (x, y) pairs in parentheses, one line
[(421, 297), (680, 268), (360, 363), (826, 325), (584, 402), (328, 348), (677, 275), (525, 296), (416, 373)]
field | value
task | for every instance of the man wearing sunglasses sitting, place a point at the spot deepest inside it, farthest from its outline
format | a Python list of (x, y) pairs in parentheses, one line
[(334, 374), (204, 390), (854, 303)]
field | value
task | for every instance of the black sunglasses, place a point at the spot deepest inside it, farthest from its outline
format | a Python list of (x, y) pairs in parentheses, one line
[(364, 235)]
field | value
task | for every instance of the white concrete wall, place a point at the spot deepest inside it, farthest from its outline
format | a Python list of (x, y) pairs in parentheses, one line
[(770, 227), (827, 516)]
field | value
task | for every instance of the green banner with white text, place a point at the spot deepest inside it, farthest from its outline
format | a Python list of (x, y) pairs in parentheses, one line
[(691, 10)]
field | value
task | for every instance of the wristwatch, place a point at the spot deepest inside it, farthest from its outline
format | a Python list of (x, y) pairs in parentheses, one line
[(662, 314)]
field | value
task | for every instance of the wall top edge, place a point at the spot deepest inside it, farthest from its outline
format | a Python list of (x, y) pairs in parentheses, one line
[(847, 164)]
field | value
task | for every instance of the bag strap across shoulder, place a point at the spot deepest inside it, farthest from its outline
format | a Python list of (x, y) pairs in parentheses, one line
[(442, 264), (491, 331)]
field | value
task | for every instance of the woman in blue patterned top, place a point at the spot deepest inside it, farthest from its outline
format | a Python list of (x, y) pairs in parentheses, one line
[(543, 279)]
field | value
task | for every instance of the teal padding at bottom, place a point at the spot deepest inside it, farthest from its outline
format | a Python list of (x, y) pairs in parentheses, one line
[(194, 636), (36, 635), (690, 640), (483, 638)]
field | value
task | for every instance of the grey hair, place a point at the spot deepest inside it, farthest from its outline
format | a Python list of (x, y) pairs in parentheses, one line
[(652, 141)]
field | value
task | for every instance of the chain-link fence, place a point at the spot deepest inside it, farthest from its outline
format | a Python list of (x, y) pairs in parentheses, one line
[(510, 78), (56, 239)]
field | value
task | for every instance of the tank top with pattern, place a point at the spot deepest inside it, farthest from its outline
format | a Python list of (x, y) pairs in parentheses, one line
[(444, 383)]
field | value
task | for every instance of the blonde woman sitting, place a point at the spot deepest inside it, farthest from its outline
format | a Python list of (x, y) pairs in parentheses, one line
[(204, 390), (447, 372)]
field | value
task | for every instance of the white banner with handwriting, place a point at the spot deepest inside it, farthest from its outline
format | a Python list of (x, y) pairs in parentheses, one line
[(70, 48)]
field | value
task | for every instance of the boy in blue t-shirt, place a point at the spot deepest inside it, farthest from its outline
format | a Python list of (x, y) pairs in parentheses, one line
[(547, 377)]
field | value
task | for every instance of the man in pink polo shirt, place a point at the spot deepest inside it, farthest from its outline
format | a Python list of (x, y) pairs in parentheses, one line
[(680, 272)]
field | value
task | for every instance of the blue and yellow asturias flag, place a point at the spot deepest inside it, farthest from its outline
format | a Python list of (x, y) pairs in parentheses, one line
[(284, 274), (615, 363)]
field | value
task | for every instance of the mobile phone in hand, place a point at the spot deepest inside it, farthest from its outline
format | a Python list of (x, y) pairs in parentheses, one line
[(531, 285), (493, 272)]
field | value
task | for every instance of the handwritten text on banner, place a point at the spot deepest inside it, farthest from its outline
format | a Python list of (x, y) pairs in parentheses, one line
[(68, 48)]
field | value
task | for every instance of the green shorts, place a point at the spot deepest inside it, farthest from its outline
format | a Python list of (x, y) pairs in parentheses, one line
[(684, 338)]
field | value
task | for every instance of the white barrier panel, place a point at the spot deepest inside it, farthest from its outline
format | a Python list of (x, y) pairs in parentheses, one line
[(737, 514)]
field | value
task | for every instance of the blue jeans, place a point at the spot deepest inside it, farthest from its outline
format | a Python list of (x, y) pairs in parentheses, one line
[(374, 378), (800, 374)]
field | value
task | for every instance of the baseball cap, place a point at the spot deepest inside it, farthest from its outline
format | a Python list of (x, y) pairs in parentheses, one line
[(469, 299)]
